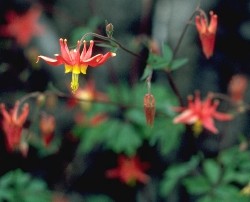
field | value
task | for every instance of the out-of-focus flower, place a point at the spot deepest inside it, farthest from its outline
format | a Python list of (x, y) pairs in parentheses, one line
[(207, 32), (47, 127), (75, 62), (88, 94), (201, 113), (22, 27), (93, 121), (12, 125), (237, 87), (129, 170), (98, 119), (149, 108)]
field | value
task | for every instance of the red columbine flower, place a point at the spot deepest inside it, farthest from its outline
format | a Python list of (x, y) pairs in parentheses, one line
[(75, 62), (22, 27), (129, 170), (207, 32), (12, 125), (201, 113)]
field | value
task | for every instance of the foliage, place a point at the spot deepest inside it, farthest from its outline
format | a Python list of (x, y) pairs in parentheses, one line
[(17, 185), (217, 179)]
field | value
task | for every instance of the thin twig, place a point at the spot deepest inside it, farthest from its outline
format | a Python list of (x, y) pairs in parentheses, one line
[(110, 40)]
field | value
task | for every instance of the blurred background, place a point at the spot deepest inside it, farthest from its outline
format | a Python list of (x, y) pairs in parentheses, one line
[(86, 138)]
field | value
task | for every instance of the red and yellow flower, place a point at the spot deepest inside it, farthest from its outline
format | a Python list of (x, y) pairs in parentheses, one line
[(75, 61), (201, 113), (207, 32)]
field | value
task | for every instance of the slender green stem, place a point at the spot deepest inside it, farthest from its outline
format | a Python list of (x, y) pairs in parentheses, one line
[(177, 47), (110, 40)]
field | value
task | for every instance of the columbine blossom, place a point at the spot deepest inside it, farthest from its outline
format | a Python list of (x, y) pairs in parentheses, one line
[(201, 112), (129, 170), (22, 27), (75, 61), (12, 125), (207, 32)]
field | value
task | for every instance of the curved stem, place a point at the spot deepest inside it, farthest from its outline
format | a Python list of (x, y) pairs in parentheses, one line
[(177, 47), (110, 40), (183, 34)]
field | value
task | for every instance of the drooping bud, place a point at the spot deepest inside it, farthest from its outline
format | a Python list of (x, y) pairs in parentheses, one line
[(207, 32), (149, 108)]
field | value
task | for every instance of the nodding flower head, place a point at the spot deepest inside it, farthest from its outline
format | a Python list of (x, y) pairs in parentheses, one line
[(207, 32), (76, 61)]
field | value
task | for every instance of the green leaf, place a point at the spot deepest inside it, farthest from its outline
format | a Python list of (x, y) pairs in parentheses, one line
[(176, 64), (166, 135), (227, 192), (175, 173), (167, 53), (92, 137), (122, 138), (197, 185), (236, 176), (147, 72), (24, 188), (136, 116), (7, 194), (157, 62), (98, 198), (167, 186), (212, 170), (206, 198)]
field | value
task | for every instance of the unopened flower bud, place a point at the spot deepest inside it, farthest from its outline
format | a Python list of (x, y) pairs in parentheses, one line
[(109, 30), (149, 108), (237, 87), (40, 100)]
